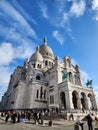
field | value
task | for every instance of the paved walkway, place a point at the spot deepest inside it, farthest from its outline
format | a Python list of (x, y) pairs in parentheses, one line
[(29, 125)]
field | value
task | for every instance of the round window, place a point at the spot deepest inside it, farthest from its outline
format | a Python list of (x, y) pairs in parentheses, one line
[(38, 77)]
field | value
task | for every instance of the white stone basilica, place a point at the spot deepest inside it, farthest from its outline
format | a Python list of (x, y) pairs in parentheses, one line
[(40, 84)]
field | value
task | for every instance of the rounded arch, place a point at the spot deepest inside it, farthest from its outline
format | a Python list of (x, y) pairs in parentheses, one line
[(46, 63), (63, 100), (70, 77), (68, 62), (84, 101), (75, 97), (39, 66)]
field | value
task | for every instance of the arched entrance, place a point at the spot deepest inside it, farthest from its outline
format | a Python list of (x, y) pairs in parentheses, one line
[(63, 100), (75, 98), (83, 101)]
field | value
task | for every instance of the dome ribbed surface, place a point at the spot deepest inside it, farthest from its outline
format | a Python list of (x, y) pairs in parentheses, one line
[(46, 50), (36, 57)]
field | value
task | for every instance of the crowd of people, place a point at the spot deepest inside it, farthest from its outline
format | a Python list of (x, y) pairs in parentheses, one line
[(37, 116), (17, 117)]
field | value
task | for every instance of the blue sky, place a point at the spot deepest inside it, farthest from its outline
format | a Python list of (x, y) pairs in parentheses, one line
[(71, 28)]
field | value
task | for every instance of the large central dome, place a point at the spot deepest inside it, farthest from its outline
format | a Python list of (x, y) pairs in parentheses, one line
[(45, 50)]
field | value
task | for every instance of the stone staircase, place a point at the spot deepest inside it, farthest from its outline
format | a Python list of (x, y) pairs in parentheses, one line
[(55, 116)]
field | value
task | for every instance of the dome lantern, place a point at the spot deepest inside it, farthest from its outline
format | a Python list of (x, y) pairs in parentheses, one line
[(45, 41), (37, 49)]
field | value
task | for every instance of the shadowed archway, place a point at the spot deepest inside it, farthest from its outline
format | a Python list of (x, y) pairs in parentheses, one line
[(63, 100), (75, 98), (83, 100)]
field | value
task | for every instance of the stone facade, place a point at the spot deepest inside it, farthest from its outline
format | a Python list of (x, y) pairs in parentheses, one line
[(40, 84)]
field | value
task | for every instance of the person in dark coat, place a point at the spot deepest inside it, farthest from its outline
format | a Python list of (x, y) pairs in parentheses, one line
[(7, 117), (14, 115), (89, 121), (18, 117), (35, 117)]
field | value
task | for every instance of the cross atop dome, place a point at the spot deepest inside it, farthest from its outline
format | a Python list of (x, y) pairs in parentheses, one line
[(45, 41)]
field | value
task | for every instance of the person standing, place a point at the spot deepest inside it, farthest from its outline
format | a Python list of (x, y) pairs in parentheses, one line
[(89, 122), (7, 117), (14, 115), (71, 117), (96, 122), (18, 117), (79, 122)]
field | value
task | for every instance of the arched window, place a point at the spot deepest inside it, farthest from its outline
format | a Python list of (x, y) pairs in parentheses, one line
[(37, 93), (39, 66), (70, 77), (47, 53), (41, 92), (46, 63), (44, 94), (33, 65), (68, 62), (51, 99)]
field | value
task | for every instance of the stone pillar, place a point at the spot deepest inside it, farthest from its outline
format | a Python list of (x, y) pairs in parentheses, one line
[(70, 100), (79, 103), (86, 103), (93, 102)]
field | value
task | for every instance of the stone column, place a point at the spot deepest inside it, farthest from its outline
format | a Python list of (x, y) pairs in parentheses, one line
[(79, 103), (86, 103), (70, 100), (93, 102)]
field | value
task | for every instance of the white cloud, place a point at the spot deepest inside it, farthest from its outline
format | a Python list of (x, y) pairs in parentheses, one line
[(85, 76), (23, 51), (74, 62), (5, 73), (95, 9), (8, 53), (12, 13), (23, 12), (65, 20), (78, 8), (95, 4), (58, 36), (96, 16), (43, 9)]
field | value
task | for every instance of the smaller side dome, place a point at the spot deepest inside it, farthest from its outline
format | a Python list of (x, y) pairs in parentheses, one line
[(37, 56)]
